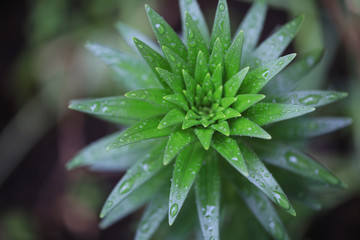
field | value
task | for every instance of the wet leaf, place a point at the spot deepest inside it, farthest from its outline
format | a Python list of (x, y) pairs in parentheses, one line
[(173, 80), (229, 149), (232, 85), (204, 135), (187, 166), (244, 127), (232, 58), (216, 57), (151, 95), (149, 165), (256, 79), (143, 130), (165, 34), (244, 101), (207, 190), (221, 26), (130, 71), (222, 127), (177, 64), (308, 127), (201, 69), (265, 113), (175, 116), (178, 139), (179, 100)]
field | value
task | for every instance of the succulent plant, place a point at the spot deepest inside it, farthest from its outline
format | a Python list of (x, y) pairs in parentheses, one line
[(206, 102)]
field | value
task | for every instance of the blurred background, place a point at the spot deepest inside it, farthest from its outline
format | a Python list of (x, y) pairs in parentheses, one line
[(43, 64)]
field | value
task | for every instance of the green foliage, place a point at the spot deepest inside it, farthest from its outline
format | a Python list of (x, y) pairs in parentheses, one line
[(220, 112)]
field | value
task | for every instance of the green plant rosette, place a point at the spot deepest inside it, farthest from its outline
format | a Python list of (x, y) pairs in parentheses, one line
[(204, 112)]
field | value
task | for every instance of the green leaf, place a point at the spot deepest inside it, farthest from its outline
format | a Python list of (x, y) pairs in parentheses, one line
[(204, 135), (252, 26), (244, 101), (190, 84), (143, 130), (227, 101), (231, 113), (221, 27), (149, 165), (128, 33), (255, 80), (172, 118), (177, 64), (216, 57), (153, 59), (244, 127), (132, 72), (179, 100), (265, 113), (151, 95), (229, 149), (222, 127), (173, 80), (273, 46), (261, 177), (311, 98), (193, 9), (154, 214), (217, 76), (232, 57), (117, 107), (165, 34), (96, 157), (207, 190), (178, 139), (187, 166), (195, 41), (262, 208), (291, 159), (136, 199), (289, 79), (309, 127), (201, 69), (232, 85)]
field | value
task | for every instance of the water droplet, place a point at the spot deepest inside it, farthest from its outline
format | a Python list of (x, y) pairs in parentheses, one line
[(331, 96), (192, 44), (261, 184), (109, 204), (296, 160), (234, 159), (310, 99), (160, 28), (280, 62), (221, 25), (221, 7), (140, 46), (265, 74), (276, 230), (126, 186), (191, 34), (281, 200), (174, 210)]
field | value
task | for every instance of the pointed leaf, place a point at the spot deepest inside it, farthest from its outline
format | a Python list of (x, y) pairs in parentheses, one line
[(173, 117), (229, 149), (128, 33), (188, 123), (232, 85), (173, 80), (244, 101), (165, 34), (140, 131), (244, 127), (201, 69), (262, 208), (177, 64), (291, 159), (309, 127), (153, 215), (195, 41), (192, 7), (153, 59), (232, 58), (142, 171), (179, 100), (187, 166), (204, 135), (221, 26), (132, 72), (265, 113), (135, 200), (273, 46), (227, 101), (260, 176), (151, 95), (311, 98), (289, 79), (217, 76), (231, 113), (207, 190), (117, 107), (252, 26), (178, 139), (216, 57), (255, 80), (96, 157), (222, 127)]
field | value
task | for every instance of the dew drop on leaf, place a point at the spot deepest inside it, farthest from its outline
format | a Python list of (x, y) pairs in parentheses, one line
[(126, 186), (222, 7), (174, 209), (310, 100), (160, 28), (296, 161), (281, 200)]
